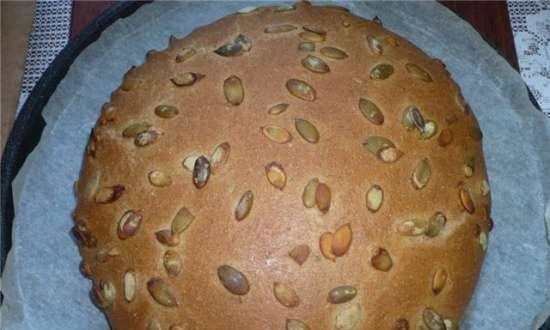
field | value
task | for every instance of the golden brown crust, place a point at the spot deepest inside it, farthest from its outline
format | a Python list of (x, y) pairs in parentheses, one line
[(392, 271)]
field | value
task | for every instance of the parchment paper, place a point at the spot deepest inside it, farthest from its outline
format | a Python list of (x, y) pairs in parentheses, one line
[(42, 285)]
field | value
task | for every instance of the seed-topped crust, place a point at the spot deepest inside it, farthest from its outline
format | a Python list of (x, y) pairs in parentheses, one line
[(291, 167)]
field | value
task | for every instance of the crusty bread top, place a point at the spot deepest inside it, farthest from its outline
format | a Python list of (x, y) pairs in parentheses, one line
[(240, 179)]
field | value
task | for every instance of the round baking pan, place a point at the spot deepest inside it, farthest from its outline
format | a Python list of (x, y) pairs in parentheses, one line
[(28, 127)]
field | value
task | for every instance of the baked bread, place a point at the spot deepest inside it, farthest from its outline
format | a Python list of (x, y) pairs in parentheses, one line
[(291, 167)]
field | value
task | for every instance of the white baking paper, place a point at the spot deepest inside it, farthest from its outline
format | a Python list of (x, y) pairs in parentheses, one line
[(43, 287)]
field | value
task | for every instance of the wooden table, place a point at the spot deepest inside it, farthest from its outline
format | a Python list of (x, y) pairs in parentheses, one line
[(489, 18)]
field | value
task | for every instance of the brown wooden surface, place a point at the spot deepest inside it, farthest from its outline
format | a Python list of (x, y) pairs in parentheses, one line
[(491, 20), (16, 26)]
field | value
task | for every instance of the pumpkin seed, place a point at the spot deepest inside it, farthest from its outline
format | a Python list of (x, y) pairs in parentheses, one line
[(244, 205), (129, 282), (371, 111), (375, 198), (172, 263), (240, 45), (301, 90), (108, 114), (439, 280), (233, 90), (433, 320), (300, 253), (314, 29), (166, 111), (323, 197), (341, 241), (83, 235), (469, 167), (106, 252), (389, 154), (375, 45), (276, 175), (182, 220), (90, 185), (134, 129), (412, 118), (162, 292), (104, 293), (296, 325), (325, 245), (448, 324), (312, 37), (315, 64), (436, 224), (85, 269), (348, 317), (129, 83), (484, 187), (333, 53), (189, 162), (483, 241), (93, 142), (276, 134), (382, 260), (159, 179), (201, 172), (184, 54), (307, 130), (374, 144), (166, 237), (421, 174), (285, 8), (233, 280), (417, 72), (401, 324), (247, 10), (186, 79), (146, 138), (220, 155), (430, 129), (280, 28), (154, 325), (278, 109), (466, 200), (106, 195), (285, 295), (412, 227), (306, 46), (445, 137), (310, 191), (129, 223), (381, 71), (383, 148), (341, 294)]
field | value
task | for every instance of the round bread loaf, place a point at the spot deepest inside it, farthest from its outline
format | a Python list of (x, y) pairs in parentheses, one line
[(292, 168)]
